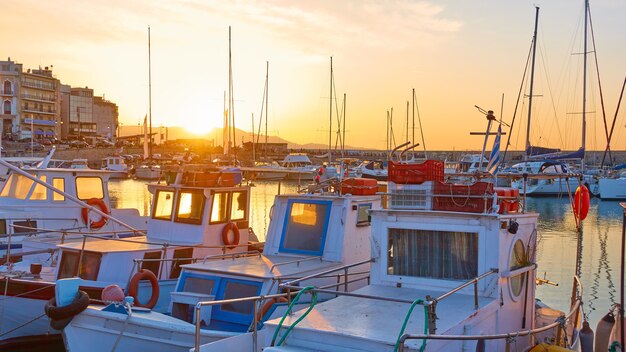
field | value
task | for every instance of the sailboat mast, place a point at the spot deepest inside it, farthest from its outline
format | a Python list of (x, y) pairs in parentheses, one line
[(532, 79), (149, 97), (267, 94), (584, 122), (231, 103), (330, 128)]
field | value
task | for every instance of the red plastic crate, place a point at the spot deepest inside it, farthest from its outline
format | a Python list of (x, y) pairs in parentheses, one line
[(359, 186), (507, 200), (474, 198), (429, 170)]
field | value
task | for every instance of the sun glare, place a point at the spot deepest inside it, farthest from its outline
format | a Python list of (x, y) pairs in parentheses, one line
[(200, 122)]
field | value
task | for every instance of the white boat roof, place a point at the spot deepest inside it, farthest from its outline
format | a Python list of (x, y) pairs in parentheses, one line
[(381, 321), (260, 266), (296, 158), (108, 246)]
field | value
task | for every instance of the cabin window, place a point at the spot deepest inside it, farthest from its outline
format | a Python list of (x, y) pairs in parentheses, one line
[(219, 207), (199, 285), (433, 254), (25, 226), (3, 226), (39, 193), (305, 227), (16, 186), (236, 289), (58, 183), (239, 205), (164, 205), (184, 257), (363, 216), (190, 207), (89, 267), (519, 259), (152, 262), (89, 187)]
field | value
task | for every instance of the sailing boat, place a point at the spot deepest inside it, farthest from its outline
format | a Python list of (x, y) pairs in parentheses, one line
[(274, 171), (149, 170), (541, 160)]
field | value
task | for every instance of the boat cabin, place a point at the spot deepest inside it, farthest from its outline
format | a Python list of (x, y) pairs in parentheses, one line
[(307, 234), (296, 160)]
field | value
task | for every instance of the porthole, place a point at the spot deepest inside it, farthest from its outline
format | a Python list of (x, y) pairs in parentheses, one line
[(519, 258)]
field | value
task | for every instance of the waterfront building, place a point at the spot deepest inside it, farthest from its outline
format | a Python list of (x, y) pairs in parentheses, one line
[(9, 83), (105, 116)]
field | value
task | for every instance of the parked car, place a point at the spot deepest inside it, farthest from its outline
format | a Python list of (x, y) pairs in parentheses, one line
[(79, 144), (104, 143)]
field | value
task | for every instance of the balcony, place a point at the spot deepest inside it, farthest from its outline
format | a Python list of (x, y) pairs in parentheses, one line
[(39, 122), (7, 92), (38, 85), (38, 98), (41, 111)]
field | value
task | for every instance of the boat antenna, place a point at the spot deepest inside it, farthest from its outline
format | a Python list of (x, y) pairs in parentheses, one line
[(419, 120)]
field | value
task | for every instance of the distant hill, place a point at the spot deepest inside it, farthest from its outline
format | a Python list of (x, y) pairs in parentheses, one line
[(176, 132)]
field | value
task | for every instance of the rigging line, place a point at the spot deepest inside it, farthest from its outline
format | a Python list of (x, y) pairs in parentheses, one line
[(619, 102), (336, 112), (554, 109), (338, 137), (595, 55), (419, 120), (261, 116), (519, 94)]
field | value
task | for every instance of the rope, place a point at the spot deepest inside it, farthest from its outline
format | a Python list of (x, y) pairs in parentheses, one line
[(21, 326), (406, 321), (295, 300), (469, 192), (119, 336)]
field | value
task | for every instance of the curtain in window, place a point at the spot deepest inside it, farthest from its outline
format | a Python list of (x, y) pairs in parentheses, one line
[(433, 254)]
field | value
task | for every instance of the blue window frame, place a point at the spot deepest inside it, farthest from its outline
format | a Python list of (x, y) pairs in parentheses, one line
[(305, 227), (225, 288), (363, 217)]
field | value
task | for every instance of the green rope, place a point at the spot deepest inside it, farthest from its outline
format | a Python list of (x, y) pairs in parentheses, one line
[(295, 300), (406, 321), (615, 346)]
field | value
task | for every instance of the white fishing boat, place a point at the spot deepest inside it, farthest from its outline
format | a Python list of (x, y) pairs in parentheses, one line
[(267, 170), (200, 214), (309, 234), (453, 268), (150, 171), (117, 164)]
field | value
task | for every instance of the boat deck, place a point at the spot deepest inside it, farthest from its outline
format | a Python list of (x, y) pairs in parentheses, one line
[(380, 321)]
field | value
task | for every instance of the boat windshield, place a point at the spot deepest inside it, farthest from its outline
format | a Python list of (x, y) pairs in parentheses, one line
[(305, 227)]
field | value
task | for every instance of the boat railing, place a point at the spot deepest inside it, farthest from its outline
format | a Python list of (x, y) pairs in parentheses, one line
[(258, 300), (295, 261), (430, 303), (560, 323)]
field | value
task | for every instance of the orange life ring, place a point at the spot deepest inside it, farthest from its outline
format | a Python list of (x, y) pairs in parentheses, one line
[(581, 202), (96, 202), (133, 288), (225, 239), (268, 305)]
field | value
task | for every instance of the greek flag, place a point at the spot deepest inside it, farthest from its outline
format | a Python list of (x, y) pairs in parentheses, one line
[(494, 158)]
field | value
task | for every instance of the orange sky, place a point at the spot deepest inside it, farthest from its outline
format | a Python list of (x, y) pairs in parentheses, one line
[(456, 54)]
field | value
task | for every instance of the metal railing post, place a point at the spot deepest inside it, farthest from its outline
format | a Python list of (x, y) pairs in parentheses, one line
[(345, 279), (476, 294), (255, 322), (432, 315), (80, 259), (197, 312)]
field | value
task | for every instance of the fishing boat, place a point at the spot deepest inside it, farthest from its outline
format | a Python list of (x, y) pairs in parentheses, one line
[(308, 234), (117, 164), (376, 170), (202, 212), (453, 268), (614, 185)]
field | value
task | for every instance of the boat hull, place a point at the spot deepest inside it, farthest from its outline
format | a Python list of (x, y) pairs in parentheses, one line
[(612, 188)]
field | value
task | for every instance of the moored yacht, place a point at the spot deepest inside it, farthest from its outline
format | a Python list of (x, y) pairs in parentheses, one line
[(299, 167), (308, 234)]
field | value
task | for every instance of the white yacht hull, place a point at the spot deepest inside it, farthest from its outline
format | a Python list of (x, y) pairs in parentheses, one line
[(612, 188), (147, 173)]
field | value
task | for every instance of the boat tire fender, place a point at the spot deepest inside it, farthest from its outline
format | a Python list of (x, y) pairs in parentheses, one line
[(96, 202), (231, 226), (133, 288), (61, 316)]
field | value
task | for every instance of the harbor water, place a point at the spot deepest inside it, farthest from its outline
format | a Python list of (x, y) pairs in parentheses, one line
[(556, 250)]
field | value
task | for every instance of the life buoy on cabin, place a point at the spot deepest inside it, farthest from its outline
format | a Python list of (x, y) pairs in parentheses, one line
[(231, 226), (61, 316), (268, 305), (133, 288), (95, 202), (581, 202)]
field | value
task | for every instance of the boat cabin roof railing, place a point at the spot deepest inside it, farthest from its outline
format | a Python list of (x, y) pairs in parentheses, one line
[(296, 261), (560, 323)]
